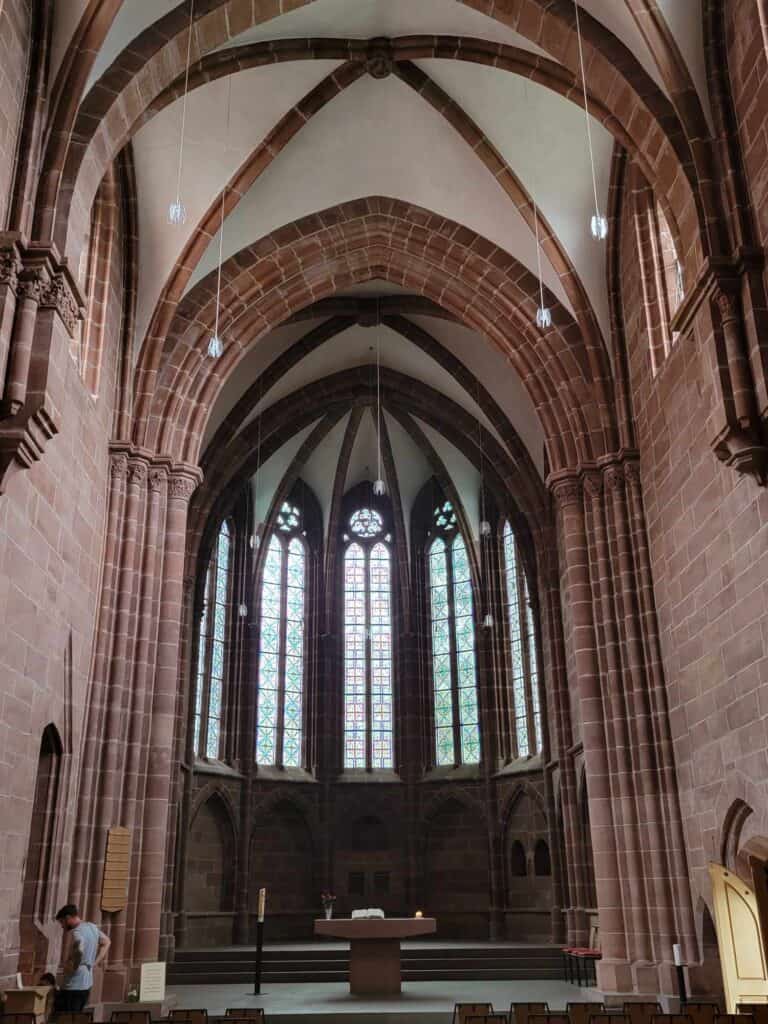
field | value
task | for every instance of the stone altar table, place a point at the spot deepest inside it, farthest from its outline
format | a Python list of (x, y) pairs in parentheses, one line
[(374, 949)]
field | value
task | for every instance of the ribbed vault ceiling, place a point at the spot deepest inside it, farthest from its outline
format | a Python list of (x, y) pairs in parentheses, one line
[(461, 138)]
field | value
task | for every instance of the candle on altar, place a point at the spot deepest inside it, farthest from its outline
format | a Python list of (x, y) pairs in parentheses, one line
[(418, 914), (677, 955), (262, 904)]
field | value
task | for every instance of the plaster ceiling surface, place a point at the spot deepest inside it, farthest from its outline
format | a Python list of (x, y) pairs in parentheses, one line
[(130, 21), (213, 152), (544, 140), (371, 19), (255, 361), (357, 347), (413, 470), (265, 483), (319, 470), (66, 18), (685, 22), (378, 138), (491, 367), (363, 459), (465, 477)]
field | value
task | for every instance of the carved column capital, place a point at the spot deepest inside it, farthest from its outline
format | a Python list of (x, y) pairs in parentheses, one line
[(593, 486), (118, 466), (567, 491), (137, 471), (10, 268), (33, 283), (157, 479), (726, 305), (58, 295), (182, 486), (614, 478)]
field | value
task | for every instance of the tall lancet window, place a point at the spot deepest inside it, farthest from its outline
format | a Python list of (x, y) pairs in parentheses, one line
[(454, 671), (213, 647), (368, 733), (280, 702), (523, 660)]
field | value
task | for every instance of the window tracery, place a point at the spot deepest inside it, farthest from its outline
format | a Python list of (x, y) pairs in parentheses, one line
[(213, 647), (523, 659)]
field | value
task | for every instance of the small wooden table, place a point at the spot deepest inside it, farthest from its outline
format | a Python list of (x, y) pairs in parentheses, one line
[(374, 949)]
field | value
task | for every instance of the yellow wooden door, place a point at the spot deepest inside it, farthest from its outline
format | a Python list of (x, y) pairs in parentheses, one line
[(742, 956)]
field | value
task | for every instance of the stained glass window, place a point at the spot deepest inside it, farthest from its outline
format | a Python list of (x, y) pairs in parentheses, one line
[(213, 648), (368, 725), (366, 523), (280, 693), (454, 672), (523, 659)]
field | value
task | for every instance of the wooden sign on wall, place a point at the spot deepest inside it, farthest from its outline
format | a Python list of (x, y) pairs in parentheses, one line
[(114, 887)]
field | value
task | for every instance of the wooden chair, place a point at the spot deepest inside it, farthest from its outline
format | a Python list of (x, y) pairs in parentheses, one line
[(520, 1013), (610, 1017), (77, 1017), (188, 1016), (247, 1013), (549, 1018), (18, 1018), (735, 1018), (581, 1013), (758, 1011), (130, 1017), (671, 1018), (641, 1013), (491, 1018), (701, 1013), (463, 1010)]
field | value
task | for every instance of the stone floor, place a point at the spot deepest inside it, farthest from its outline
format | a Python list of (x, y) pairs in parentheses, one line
[(431, 1002)]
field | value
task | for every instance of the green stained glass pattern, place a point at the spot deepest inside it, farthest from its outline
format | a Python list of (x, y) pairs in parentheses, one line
[(218, 641), (269, 656), (288, 518), (355, 721), (380, 589), (533, 663), (294, 656), (202, 651), (445, 517), (464, 624), (366, 523), (442, 677), (513, 594)]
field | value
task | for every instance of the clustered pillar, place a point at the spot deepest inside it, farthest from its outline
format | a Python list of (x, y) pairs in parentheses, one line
[(133, 706), (636, 830)]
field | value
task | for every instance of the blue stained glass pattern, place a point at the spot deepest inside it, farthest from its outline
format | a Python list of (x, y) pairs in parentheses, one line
[(520, 710), (366, 523), (202, 650), (442, 677), (533, 663), (465, 653), (218, 641), (294, 656), (354, 657), (269, 656), (381, 657)]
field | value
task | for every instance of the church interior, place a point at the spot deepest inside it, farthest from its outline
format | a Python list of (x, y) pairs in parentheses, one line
[(383, 487)]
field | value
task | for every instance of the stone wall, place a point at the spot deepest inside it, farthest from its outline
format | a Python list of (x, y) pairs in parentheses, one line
[(52, 521)]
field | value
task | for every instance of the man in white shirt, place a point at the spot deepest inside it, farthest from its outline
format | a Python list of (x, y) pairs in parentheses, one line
[(88, 949)]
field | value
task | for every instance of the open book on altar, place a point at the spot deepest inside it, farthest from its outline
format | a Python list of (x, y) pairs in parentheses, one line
[(370, 912)]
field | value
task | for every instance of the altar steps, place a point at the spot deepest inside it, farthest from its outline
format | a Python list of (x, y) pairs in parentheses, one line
[(491, 962)]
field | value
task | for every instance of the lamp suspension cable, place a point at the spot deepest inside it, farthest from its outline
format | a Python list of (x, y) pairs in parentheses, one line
[(543, 313), (598, 224), (177, 212), (215, 345), (379, 487)]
